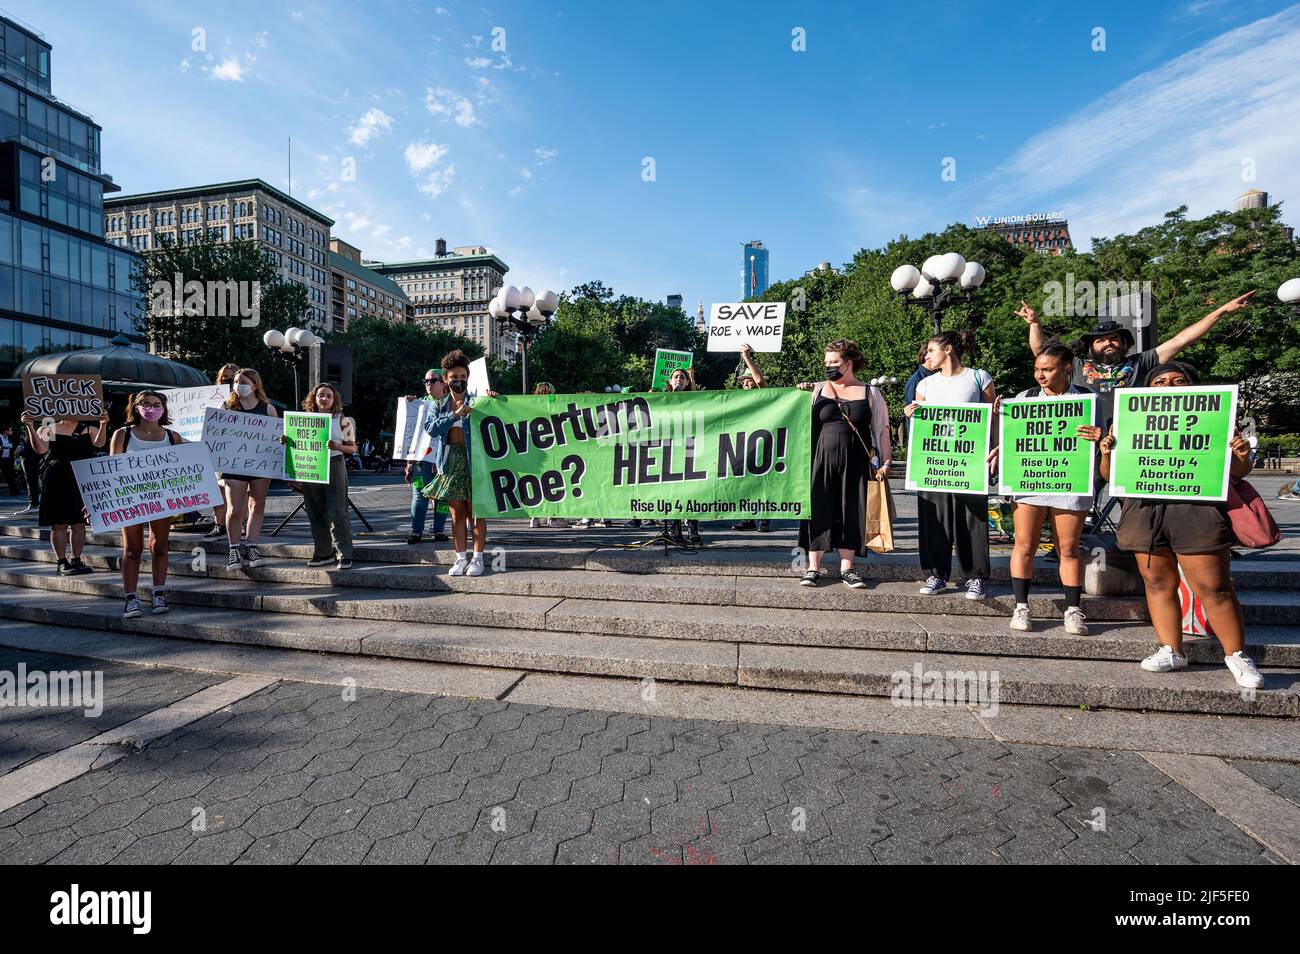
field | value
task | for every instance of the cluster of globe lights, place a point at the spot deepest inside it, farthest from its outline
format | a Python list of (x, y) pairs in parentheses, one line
[(936, 271), (289, 339), (537, 307)]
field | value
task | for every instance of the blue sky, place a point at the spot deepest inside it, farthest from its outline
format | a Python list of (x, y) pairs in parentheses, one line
[(537, 150)]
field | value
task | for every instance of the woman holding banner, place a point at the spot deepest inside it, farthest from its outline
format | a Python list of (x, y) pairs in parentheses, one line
[(682, 379), (1052, 370), (245, 494), (61, 508), (225, 376), (449, 420), (1194, 536), (327, 504), (953, 520), (145, 430), (420, 472), (850, 426)]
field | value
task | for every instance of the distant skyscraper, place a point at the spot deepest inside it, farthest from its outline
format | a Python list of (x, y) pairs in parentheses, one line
[(674, 301), (754, 270)]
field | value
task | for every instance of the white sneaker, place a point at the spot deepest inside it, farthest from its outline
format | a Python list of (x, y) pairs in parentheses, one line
[(458, 568), (475, 566), (1243, 670), (1020, 617), (1075, 622), (534, 523), (1164, 659), (933, 585)]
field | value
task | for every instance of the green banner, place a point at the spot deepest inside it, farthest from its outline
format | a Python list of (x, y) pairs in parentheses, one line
[(666, 362), (1172, 443), (948, 448), (306, 454), (683, 455), (1039, 447)]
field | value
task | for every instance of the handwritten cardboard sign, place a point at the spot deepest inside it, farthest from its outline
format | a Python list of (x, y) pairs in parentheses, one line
[(123, 490), (75, 397)]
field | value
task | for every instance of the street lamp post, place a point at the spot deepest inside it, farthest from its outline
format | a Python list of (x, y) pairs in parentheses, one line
[(1289, 294), (942, 282), (291, 346), (527, 312)]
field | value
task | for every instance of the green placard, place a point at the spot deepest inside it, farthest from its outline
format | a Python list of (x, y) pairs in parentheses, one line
[(1172, 443), (666, 362), (1039, 449), (692, 454), (948, 448), (306, 454)]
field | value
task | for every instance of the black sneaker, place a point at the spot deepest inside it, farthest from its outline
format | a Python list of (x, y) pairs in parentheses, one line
[(634, 524), (811, 578), (414, 538), (744, 525), (76, 566), (321, 560), (216, 533), (852, 579), (693, 538), (343, 565), (441, 537), (765, 526), (65, 569)]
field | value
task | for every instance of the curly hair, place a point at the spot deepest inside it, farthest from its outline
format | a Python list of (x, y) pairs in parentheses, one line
[(309, 402), (848, 351), (457, 359)]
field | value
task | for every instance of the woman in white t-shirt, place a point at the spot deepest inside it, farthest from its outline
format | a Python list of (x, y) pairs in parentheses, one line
[(327, 504), (953, 520)]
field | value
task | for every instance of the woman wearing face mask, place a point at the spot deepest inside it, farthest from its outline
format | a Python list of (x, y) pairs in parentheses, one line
[(1193, 535), (225, 376), (420, 472), (449, 420), (1052, 370), (245, 494), (683, 379), (61, 507), (850, 426), (145, 430), (948, 520), (327, 504)]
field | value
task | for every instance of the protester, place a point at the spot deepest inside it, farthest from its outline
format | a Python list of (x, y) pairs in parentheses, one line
[(419, 473), (30, 461), (61, 508), (544, 388), (1052, 370), (850, 427), (449, 420), (1104, 362), (682, 379), (923, 371), (1194, 536), (327, 504), (750, 379), (225, 376), (953, 520), (145, 430), (246, 495), (7, 450)]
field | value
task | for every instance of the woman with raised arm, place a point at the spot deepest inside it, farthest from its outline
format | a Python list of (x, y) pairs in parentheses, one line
[(61, 508)]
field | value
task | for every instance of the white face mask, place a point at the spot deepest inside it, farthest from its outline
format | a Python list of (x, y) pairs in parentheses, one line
[(243, 390)]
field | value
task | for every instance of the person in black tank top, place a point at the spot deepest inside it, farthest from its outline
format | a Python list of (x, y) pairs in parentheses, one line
[(146, 429), (61, 506)]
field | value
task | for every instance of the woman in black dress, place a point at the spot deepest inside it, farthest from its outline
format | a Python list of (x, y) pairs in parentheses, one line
[(850, 427), (62, 509)]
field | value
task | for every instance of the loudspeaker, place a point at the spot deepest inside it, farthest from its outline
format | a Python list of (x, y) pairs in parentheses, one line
[(332, 364)]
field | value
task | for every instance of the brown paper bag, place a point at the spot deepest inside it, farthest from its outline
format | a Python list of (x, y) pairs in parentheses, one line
[(879, 532)]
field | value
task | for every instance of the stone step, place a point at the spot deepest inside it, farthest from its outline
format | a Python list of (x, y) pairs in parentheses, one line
[(904, 676), (1256, 570), (1269, 645), (1261, 607)]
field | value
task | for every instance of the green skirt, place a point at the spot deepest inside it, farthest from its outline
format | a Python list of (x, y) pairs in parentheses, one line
[(453, 481)]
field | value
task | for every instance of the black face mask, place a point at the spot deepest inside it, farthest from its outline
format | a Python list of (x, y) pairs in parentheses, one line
[(458, 386), (834, 374)]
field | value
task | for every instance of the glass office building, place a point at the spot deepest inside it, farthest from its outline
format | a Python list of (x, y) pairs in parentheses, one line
[(753, 270), (62, 287)]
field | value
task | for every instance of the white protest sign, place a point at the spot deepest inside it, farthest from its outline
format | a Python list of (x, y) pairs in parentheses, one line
[(478, 378), (185, 407), (411, 440), (759, 324), (247, 445), (123, 490)]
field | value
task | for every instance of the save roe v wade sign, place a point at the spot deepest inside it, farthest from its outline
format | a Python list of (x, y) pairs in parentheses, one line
[(759, 324)]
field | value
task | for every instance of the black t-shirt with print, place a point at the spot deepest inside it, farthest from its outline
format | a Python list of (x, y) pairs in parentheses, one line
[(1105, 378)]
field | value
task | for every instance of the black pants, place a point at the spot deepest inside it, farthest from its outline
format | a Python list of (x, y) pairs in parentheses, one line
[(948, 520), (7, 470), (32, 474)]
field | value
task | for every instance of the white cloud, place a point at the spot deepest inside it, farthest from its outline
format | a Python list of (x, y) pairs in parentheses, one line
[(438, 181), (297, 14), (185, 65), (421, 156), (231, 69), (478, 62), (543, 156), (1178, 134), (260, 39), (526, 172), (379, 231), (516, 190), (441, 11), (443, 102), (374, 122)]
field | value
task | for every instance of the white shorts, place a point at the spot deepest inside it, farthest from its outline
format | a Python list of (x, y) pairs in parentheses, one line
[(1055, 501)]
